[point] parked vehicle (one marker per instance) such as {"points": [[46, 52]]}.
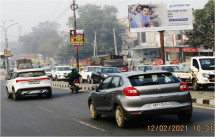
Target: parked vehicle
{"points": [[28, 82], [183, 73], [101, 73], [203, 71], [48, 71], [170, 68], [86, 73], [134, 94], [142, 67], [109, 61], [59, 72]]}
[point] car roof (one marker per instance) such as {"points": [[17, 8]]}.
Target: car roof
{"points": [[165, 65], [61, 66], [27, 70], [203, 57], [132, 73], [109, 67]]}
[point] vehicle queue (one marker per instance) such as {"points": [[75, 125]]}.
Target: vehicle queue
{"points": [[144, 90]]}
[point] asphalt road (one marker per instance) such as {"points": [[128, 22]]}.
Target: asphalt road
{"points": [[67, 114]]}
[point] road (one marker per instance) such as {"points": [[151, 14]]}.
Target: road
{"points": [[67, 114]]}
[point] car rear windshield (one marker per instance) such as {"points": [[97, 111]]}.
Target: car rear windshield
{"points": [[153, 79], [31, 74], [63, 68]]}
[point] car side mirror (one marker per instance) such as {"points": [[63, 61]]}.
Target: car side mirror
{"points": [[95, 88]]}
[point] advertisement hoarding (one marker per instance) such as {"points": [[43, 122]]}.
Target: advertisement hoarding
{"points": [[157, 17], [76, 37]]}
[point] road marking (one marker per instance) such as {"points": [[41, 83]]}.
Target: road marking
{"points": [[48, 110], [204, 107], [89, 125]]}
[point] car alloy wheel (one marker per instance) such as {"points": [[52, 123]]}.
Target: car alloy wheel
{"points": [[94, 115], [88, 79], [15, 97], [120, 118], [8, 94], [92, 81]]}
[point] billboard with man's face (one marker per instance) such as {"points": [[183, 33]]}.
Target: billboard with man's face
{"points": [[156, 17]]}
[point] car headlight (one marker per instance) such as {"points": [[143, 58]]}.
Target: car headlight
{"points": [[205, 75]]}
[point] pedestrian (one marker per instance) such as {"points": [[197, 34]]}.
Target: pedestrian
{"points": [[142, 19]]}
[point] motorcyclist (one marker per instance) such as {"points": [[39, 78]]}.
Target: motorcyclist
{"points": [[73, 75]]}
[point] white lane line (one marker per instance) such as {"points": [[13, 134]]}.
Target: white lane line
{"points": [[45, 109], [89, 125], [204, 107]]}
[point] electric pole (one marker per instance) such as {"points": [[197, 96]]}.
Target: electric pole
{"points": [[75, 7], [115, 45], [95, 45]]}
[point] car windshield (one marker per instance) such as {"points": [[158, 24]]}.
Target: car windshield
{"points": [[47, 70], [90, 69], [24, 66], [115, 64], [63, 69], [171, 68], [31, 74], [207, 63], [153, 79], [110, 70], [142, 68]]}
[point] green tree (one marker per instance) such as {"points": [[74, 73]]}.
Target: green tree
{"points": [[93, 18], [203, 27]]}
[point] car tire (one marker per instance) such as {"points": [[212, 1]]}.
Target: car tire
{"points": [[8, 94], [49, 94], [88, 79], [52, 78], [92, 81], [15, 96], [56, 78], [81, 80], [93, 114], [185, 116], [121, 120], [195, 85]]}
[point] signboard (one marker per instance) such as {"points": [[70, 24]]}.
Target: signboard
{"points": [[174, 61], [7, 52], [157, 17], [173, 50], [76, 38], [189, 50], [158, 62]]}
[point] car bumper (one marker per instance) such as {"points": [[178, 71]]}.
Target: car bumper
{"points": [[33, 91]]}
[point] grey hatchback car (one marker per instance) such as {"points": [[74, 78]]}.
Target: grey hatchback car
{"points": [[132, 94]]}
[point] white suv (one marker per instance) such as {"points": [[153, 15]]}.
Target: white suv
{"points": [[28, 82], [86, 73], [59, 72]]}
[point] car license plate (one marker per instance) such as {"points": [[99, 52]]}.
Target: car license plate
{"points": [[163, 104], [77, 84], [34, 82]]}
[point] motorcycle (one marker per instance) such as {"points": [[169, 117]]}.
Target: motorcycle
{"points": [[75, 86]]}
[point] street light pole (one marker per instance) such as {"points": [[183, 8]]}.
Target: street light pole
{"points": [[6, 42]]}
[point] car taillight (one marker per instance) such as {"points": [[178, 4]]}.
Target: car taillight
{"points": [[183, 87], [37, 79], [130, 91]]}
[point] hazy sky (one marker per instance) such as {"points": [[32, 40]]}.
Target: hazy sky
{"points": [[28, 13]]}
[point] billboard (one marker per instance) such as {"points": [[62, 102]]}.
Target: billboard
{"points": [[76, 37], [157, 17]]}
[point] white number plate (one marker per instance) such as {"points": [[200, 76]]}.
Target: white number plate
{"points": [[163, 104], [77, 84], [34, 82]]}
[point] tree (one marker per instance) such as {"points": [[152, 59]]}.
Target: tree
{"points": [[203, 27], [95, 18], [43, 39]]}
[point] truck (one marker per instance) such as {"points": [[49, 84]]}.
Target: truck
{"points": [[24, 63], [109, 61], [202, 72]]}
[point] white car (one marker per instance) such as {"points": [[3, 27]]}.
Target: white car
{"points": [[28, 82], [59, 72], [86, 73], [142, 67]]}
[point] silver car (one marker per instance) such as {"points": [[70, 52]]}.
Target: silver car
{"points": [[131, 94]]}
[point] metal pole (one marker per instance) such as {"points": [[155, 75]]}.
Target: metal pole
{"points": [[95, 45], [162, 46], [115, 45], [76, 46]]}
